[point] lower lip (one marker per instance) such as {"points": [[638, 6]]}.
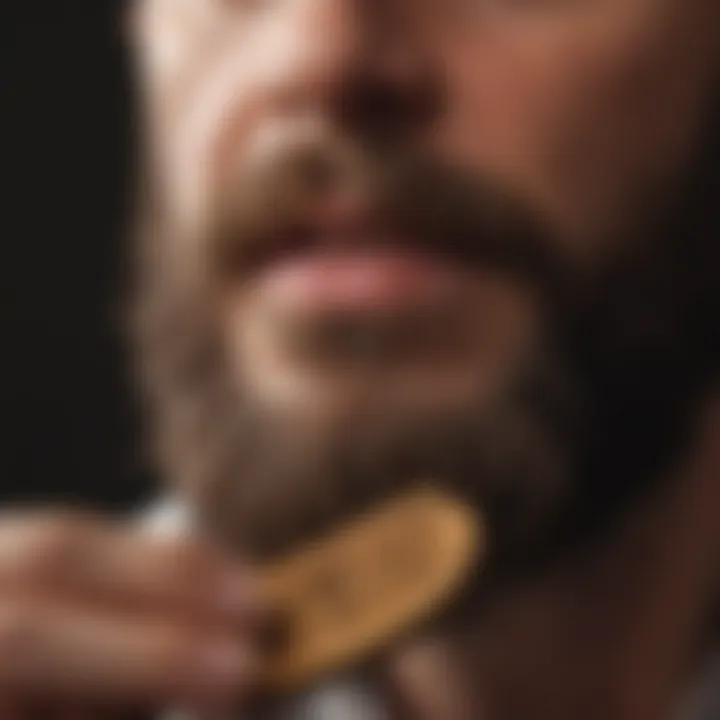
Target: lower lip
{"points": [[360, 280]]}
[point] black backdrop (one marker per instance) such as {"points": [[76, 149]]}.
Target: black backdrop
{"points": [[66, 141]]}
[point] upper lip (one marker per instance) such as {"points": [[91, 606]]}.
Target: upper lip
{"points": [[358, 233], [456, 239]]}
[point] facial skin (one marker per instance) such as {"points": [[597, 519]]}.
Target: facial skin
{"points": [[379, 234]]}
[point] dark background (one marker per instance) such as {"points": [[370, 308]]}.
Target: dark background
{"points": [[67, 139]]}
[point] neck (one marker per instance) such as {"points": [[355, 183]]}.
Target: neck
{"points": [[616, 634]]}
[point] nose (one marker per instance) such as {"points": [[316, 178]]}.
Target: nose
{"points": [[362, 63]]}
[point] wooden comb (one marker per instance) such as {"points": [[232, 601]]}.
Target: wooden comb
{"points": [[377, 577]]}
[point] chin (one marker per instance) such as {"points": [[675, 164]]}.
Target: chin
{"points": [[324, 430]]}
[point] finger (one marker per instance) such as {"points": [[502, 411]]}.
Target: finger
{"points": [[83, 556], [77, 656], [428, 683]]}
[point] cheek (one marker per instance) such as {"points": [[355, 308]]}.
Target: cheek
{"points": [[197, 87], [511, 107], [214, 85], [174, 39], [561, 111]]}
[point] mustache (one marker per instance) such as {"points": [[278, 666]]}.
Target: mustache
{"points": [[410, 197]]}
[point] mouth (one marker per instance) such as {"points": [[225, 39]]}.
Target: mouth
{"points": [[374, 302], [368, 276], [343, 252], [356, 261], [369, 301], [317, 231], [409, 272]]}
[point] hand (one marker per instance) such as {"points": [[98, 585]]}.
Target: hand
{"points": [[97, 615]]}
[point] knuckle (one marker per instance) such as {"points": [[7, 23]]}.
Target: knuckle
{"points": [[52, 547]]}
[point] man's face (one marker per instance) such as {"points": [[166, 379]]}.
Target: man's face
{"points": [[375, 222]]}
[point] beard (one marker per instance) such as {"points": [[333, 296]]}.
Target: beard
{"points": [[593, 413]]}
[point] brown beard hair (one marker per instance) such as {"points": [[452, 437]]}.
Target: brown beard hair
{"points": [[262, 484], [606, 404]]}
